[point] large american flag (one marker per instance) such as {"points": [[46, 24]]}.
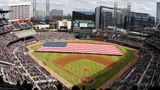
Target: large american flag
{"points": [[84, 48]]}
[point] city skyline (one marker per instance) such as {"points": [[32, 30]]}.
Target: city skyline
{"points": [[144, 6]]}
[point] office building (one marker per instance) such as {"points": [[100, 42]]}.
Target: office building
{"points": [[19, 10], [55, 13], [106, 16], [139, 20], [122, 18]]}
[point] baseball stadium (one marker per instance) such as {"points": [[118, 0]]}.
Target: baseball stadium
{"points": [[87, 52]]}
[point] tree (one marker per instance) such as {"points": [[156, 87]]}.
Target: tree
{"points": [[68, 17]]}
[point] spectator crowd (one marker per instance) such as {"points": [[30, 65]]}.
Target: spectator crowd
{"points": [[145, 73], [17, 67]]}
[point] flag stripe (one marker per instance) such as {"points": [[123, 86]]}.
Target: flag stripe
{"points": [[108, 49]]}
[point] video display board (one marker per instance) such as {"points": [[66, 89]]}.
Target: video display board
{"points": [[83, 19]]}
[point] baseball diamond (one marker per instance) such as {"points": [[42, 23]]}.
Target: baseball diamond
{"points": [[89, 69]]}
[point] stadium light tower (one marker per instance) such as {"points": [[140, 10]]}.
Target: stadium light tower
{"points": [[128, 15], [115, 14], [47, 7], [34, 8]]}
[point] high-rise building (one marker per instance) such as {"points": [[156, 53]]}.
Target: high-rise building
{"points": [[19, 10], [97, 17], [40, 13], [122, 18], [158, 13], [139, 20], [55, 13], [107, 18]]}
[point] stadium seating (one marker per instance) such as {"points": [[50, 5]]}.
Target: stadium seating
{"points": [[29, 24], [121, 38], [3, 22], [24, 26], [54, 35], [25, 33], [17, 26], [16, 65], [145, 73]]}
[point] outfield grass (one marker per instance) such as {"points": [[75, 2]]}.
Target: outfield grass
{"points": [[128, 56], [48, 59]]}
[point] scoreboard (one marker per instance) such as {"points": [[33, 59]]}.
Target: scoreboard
{"points": [[83, 19], [84, 23]]}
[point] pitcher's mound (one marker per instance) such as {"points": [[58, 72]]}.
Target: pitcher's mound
{"points": [[86, 68]]}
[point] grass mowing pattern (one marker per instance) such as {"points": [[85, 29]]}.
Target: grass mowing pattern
{"points": [[78, 67], [129, 55], [48, 59]]}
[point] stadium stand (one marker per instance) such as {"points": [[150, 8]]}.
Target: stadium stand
{"points": [[25, 33], [3, 22], [128, 39], [29, 24], [17, 26], [19, 70], [22, 26], [145, 73], [54, 35], [17, 66]]}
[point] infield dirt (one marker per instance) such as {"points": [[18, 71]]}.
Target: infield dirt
{"points": [[71, 58]]}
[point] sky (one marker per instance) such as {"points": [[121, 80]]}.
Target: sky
{"points": [[145, 6]]}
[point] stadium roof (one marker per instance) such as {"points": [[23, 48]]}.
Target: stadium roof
{"points": [[4, 11], [25, 33], [87, 12], [137, 33]]}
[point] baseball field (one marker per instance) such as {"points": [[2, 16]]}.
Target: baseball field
{"points": [[85, 69]]}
